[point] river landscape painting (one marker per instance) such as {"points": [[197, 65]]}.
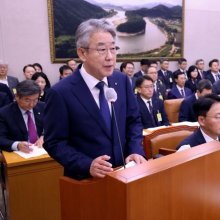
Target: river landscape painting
{"points": [[145, 28]]}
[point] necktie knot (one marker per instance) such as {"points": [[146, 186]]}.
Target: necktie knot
{"points": [[100, 85]]}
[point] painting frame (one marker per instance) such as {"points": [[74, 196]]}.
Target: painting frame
{"points": [[121, 57]]}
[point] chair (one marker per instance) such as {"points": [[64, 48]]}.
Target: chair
{"points": [[172, 107], [165, 140]]}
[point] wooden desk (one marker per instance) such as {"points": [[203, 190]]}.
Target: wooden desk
{"points": [[32, 187]]}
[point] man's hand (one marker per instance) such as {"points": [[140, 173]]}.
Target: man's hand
{"points": [[138, 159], [39, 141], [24, 147], [100, 167]]}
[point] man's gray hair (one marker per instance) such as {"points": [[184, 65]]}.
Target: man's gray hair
{"points": [[27, 87], [89, 27]]}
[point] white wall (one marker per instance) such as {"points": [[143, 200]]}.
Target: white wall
{"points": [[24, 34]]}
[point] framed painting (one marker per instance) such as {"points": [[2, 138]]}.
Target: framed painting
{"points": [[145, 28]]}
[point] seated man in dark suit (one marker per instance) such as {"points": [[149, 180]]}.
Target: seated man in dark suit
{"points": [[216, 87], [21, 122], [182, 62], [200, 66], [151, 108], [186, 112], [207, 111], [179, 90], [4, 99], [80, 131]]}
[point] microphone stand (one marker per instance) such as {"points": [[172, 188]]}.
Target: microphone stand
{"points": [[117, 131]]}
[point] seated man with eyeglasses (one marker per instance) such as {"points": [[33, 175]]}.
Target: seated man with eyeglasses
{"points": [[151, 108], [21, 122], [207, 111]]}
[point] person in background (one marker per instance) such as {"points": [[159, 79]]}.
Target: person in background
{"points": [[154, 63], [43, 82], [128, 69], [65, 71], [216, 87], [72, 64], [200, 66], [186, 113], [159, 87], [179, 90], [5, 89], [151, 109], [182, 62], [86, 142], [21, 122], [9, 81], [38, 67], [28, 71], [165, 75], [145, 63], [192, 81], [207, 111], [213, 73]]}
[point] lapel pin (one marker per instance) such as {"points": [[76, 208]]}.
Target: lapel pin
{"points": [[116, 83]]}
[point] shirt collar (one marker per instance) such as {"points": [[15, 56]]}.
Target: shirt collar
{"points": [[207, 137], [90, 80]]}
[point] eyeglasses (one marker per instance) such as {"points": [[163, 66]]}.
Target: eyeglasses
{"points": [[148, 87], [104, 51], [217, 117]]}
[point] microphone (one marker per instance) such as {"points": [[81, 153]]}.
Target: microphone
{"points": [[111, 97]]}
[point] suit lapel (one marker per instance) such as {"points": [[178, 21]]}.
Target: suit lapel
{"points": [[85, 98], [19, 119]]}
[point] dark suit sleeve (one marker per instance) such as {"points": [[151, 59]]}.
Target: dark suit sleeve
{"points": [[5, 143], [56, 134], [184, 112]]}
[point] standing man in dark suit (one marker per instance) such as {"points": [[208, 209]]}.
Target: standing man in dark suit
{"points": [[128, 68], [145, 63], [179, 90], [10, 81], [80, 131], [159, 87], [21, 122], [213, 73], [200, 66], [186, 113], [165, 75], [182, 62], [207, 111], [151, 109]]}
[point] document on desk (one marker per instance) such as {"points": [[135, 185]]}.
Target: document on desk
{"points": [[37, 151]]}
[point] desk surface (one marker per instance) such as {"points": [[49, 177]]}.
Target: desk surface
{"points": [[12, 159]]}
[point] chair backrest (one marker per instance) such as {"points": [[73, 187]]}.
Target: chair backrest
{"points": [[167, 137], [168, 140], [172, 107]]}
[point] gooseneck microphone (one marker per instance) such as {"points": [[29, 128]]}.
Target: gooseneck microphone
{"points": [[111, 97]]}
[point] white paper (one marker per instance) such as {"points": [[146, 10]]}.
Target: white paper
{"points": [[184, 147], [129, 164], [186, 123], [37, 151]]}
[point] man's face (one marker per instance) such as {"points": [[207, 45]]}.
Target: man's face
{"points": [[152, 72], [3, 70], [180, 81], [100, 57], [200, 65], [183, 65], [66, 73], [215, 67], [144, 68], [211, 122], [72, 64], [27, 102], [146, 89], [164, 65], [129, 70]]}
